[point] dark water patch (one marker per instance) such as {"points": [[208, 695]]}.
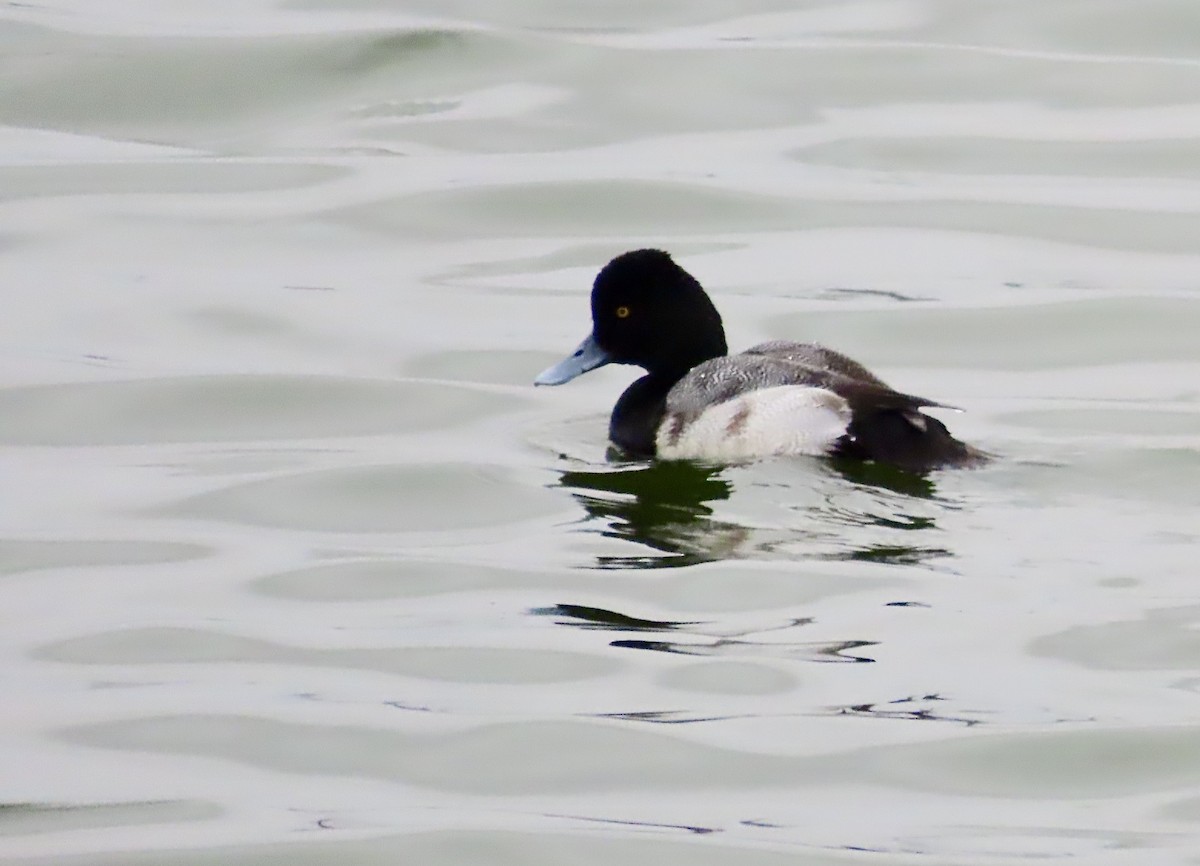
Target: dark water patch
{"points": [[921, 708], [163, 87], [1164, 476], [1073, 762], [153, 646], [839, 293], [233, 408], [667, 717], [574, 756], [20, 819], [1185, 809], [492, 366], [728, 588], [915, 708], [1166, 639], [458, 846], [1154, 231], [175, 177], [1089, 332], [833, 651], [1121, 418], [232, 322], [378, 579], [410, 108], [1150, 31], [429, 497], [709, 639], [1122, 476], [614, 16], [907, 522], [374, 51], [642, 563], [584, 617], [729, 679], [240, 460], [466, 276], [615, 207], [504, 758], [891, 554], [652, 825], [960, 155], [20, 554]]}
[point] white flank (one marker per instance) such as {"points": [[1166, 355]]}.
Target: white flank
{"points": [[787, 419]]}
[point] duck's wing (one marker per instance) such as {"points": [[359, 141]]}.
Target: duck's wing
{"points": [[723, 379], [815, 357], [843, 375]]}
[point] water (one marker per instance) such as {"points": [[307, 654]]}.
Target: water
{"points": [[296, 566]]}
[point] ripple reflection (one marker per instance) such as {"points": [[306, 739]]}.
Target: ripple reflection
{"points": [[881, 516]]}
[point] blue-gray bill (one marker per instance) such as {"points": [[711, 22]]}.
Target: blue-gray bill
{"points": [[588, 356]]}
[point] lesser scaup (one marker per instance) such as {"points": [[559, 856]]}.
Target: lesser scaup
{"points": [[777, 398]]}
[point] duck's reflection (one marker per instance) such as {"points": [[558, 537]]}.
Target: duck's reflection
{"points": [[666, 506], [885, 477], [709, 639], [662, 505]]}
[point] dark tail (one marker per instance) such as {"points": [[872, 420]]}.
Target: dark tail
{"points": [[906, 438]]}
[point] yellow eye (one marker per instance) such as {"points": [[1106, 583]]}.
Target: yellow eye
{"points": [[622, 312]]}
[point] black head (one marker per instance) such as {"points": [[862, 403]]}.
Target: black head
{"points": [[648, 311]]}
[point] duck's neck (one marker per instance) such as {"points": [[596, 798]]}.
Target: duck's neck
{"points": [[633, 426], [635, 419]]}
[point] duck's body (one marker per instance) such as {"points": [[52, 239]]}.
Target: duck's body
{"points": [[777, 398]]}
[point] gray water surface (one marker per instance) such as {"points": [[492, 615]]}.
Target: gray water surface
{"points": [[297, 567]]}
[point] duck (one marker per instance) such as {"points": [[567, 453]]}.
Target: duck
{"points": [[779, 398]]}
